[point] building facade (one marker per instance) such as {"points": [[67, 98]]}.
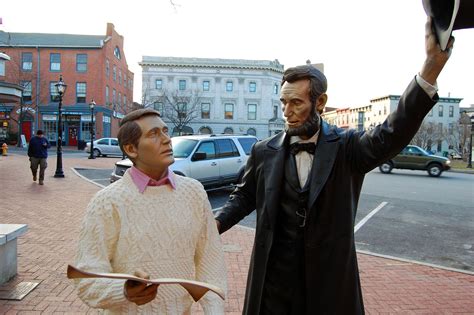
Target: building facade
{"points": [[441, 121], [222, 95], [94, 67]]}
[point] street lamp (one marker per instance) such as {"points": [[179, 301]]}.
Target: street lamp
{"points": [[469, 163], [61, 89], [91, 106], [468, 125]]}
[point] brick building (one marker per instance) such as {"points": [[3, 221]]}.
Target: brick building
{"points": [[94, 67]]}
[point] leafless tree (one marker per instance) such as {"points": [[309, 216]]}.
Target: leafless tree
{"points": [[427, 134], [178, 107]]}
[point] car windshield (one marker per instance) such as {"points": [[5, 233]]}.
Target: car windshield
{"points": [[247, 144], [182, 148]]}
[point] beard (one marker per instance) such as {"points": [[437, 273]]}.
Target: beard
{"points": [[308, 128]]}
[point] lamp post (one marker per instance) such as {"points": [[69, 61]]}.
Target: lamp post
{"points": [[469, 163], [61, 89], [91, 106]]}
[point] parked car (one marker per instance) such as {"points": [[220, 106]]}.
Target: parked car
{"points": [[104, 147], [415, 158], [214, 160]]}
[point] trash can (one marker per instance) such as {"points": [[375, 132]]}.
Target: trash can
{"points": [[81, 145]]}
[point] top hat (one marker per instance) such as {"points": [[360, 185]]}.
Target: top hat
{"points": [[449, 15]]}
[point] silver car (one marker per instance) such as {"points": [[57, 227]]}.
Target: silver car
{"points": [[214, 160], [104, 147]]}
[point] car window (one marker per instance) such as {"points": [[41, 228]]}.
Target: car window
{"points": [[227, 148], [103, 141], [247, 144], [413, 151], [114, 142], [209, 148], [182, 148]]}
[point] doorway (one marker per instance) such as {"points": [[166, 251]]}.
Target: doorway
{"points": [[72, 136]]}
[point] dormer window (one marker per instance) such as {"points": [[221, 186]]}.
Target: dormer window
{"points": [[117, 52]]}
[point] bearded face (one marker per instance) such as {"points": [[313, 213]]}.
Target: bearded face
{"points": [[308, 128]]}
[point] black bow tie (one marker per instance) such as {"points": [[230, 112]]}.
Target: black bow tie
{"points": [[297, 147]]}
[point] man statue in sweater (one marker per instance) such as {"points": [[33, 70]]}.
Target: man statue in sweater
{"points": [[151, 223], [305, 185], [38, 153]]}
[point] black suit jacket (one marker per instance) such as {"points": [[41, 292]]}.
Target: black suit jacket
{"points": [[341, 160]]}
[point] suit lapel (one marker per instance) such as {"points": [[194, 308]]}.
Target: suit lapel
{"points": [[273, 167], [324, 157]]}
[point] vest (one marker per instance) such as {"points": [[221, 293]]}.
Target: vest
{"points": [[284, 289]]}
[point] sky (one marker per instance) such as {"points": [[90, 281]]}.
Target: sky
{"points": [[370, 48]]}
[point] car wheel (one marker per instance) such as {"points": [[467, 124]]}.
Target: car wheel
{"points": [[434, 170], [386, 167], [96, 153]]}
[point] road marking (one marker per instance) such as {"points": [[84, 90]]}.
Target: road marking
{"points": [[85, 178], [367, 217]]}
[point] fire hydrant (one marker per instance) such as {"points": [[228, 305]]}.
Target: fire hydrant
{"points": [[4, 149]]}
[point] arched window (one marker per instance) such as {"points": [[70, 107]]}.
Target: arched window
{"points": [[117, 52], [252, 132], [205, 131], [229, 131]]}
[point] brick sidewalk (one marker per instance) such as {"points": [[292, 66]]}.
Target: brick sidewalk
{"points": [[53, 213]]}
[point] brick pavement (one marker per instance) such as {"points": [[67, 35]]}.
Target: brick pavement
{"points": [[53, 213]]}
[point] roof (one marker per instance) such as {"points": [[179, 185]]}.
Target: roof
{"points": [[212, 63], [8, 39]]}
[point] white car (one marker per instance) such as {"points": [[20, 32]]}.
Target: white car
{"points": [[104, 147], [214, 160]]}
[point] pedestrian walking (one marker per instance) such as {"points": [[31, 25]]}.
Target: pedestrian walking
{"points": [[38, 154]]}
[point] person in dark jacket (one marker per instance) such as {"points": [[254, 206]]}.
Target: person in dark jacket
{"points": [[38, 153], [305, 185]]}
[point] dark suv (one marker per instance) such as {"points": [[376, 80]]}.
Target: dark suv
{"points": [[415, 158], [214, 160]]}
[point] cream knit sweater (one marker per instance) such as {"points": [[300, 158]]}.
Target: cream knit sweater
{"points": [[166, 233]]}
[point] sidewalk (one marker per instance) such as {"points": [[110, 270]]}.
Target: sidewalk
{"points": [[53, 213]]}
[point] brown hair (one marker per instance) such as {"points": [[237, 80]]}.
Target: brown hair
{"points": [[317, 80], [130, 132]]}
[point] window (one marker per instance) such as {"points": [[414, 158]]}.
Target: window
{"points": [[120, 99], [53, 92], [26, 61], [158, 84], [229, 111], [114, 97], [26, 95], [182, 110], [229, 131], [229, 86], [81, 62], [247, 143], [227, 148], [125, 101], [205, 131], [124, 80], [440, 110], [81, 89], [107, 68], [86, 130], [117, 52], [50, 130], [158, 106], [251, 132], [120, 77], [55, 62], [2, 67], [275, 89], [450, 128], [205, 85], [208, 148], [275, 111], [205, 110], [182, 85], [385, 110], [451, 111], [252, 112], [107, 96], [252, 87], [440, 145], [114, 73]]}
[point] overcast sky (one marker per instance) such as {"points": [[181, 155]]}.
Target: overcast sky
{"points": [[370, 48]]}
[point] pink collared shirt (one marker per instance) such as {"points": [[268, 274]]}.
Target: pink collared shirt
{"points": [[142, 180]]}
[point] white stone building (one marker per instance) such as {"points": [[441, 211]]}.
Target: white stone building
{"points": [[235, 96]]}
